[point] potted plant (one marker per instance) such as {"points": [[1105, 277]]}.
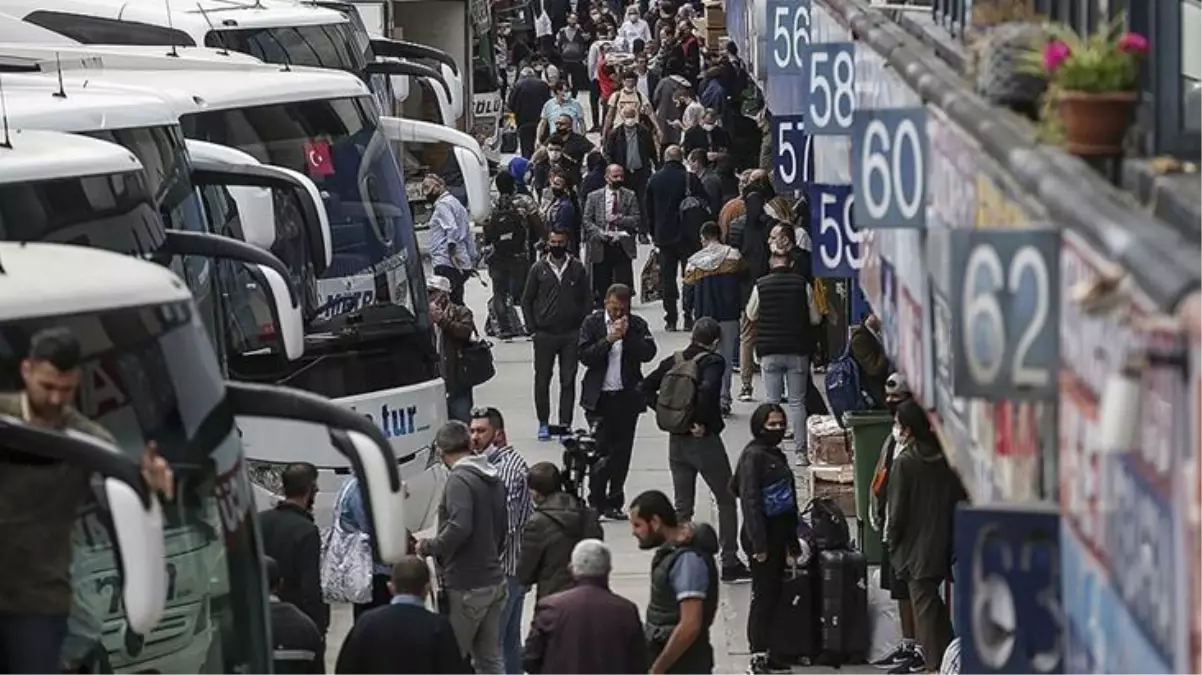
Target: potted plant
{"points": [[1095, 85]]}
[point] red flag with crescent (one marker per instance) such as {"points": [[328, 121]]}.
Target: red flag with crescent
{"points": [[318, 154]]}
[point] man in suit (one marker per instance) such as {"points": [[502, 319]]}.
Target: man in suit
{"points": [[404, 636], [614, 345], [611, 221]]}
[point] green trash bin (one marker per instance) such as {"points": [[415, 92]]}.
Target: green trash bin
{"points": [[869, 429]]}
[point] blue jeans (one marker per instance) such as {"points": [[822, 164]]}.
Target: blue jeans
{"points": [[31, 643], [459, 406], [778, 369], [511, 625]]}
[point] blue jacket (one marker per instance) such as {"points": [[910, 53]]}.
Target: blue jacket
{"points": [[712, 280]]}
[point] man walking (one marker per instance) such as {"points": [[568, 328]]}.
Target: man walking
{"points": [[559, 522], [696, 447], [472, 524], [711, 183], [613, 346], [452, 247], [784, 340], [526, 100], [713, 287], [632, 146], [489, 439], [403, 636], [511, 231], [556, 301], [684, 586], [611, 221], [291, 537], [588, 628], [666, 191]]}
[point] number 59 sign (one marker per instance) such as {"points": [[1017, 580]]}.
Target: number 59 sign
{"points": [[836, 242], [1005, 309]]}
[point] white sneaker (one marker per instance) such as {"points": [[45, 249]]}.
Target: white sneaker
{"points": [[802, 458]]}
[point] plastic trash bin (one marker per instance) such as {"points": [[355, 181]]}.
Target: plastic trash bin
{"points": [[869, 429]]}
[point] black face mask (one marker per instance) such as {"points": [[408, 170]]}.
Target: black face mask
{"points": [[557, 251], [892, 406], [616, 184], [558, 191], [771, 437]]}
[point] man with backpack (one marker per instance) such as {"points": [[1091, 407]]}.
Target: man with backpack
{"points": [[509, 232], [686, 391]]}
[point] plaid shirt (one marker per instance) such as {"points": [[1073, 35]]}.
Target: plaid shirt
{"points": [[513, 470]]}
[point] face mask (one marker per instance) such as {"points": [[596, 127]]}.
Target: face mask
{"points": [[538, 69], [779, 248], [897, 434], [557, 252], [892, 406], [628, 86], [708, 127], [615, 184], [631, 18], [630, 121], [433, 195], [558, 190], [772, 436], [554, 154]]}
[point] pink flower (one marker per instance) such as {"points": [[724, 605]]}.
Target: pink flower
{"points": [[1133, 43], [1055, 54]]}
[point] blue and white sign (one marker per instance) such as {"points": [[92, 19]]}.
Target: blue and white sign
{"points": [[829, 81], [836, 251], [1005, 306], [788, 35], [793, 148], [889, 151], [1007, 601]]}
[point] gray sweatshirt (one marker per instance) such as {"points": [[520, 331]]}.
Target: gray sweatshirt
{"points": [[471, 526]]}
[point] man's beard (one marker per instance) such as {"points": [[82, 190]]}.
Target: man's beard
{"points": [[46, 411], [653, 540]]}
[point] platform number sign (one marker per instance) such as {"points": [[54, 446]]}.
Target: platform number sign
{"points": [[1008, 606], [889, 163], [1005, 308], [836, 242], [788, 35], [793, 148], [829, 81]]}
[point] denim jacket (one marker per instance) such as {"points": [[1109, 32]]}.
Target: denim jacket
{"points": [[352, 515]]}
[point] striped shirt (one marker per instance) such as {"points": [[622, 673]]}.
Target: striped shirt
{"points": [[513, 471]]}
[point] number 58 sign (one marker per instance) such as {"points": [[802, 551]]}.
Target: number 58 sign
{"points": [[1005, 309]]}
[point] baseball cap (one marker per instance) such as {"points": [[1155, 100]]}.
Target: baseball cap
{"points": [[896, 384], [438, 283]]}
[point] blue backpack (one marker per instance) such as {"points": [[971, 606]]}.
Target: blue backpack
{"points": [[843, 391]]}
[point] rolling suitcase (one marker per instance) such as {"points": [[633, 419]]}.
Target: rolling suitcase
{"points": [[796, 628], [846, 635], [493, 329]]}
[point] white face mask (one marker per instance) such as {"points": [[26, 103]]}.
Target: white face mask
{"points": [[631, 18], [630, 121], [708, 127], [897, 433], [554, 154]]}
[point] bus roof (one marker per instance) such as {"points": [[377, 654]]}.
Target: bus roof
{"points": [[47, 155], [208, 85], [195, 19], [33, 103], [72, 279]]}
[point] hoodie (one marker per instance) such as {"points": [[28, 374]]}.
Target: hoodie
{"points": [[559, 522], [472, 520], [712, 282]]}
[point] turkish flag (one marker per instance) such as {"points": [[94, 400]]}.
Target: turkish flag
{"points": [[318, 155]]}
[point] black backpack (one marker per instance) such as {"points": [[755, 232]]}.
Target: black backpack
{"points": [[828, 524], [507, 230], [694, 212]]}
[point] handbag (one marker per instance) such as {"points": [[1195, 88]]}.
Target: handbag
{"points": [[779, 498], [346, 559], [476, 365]]}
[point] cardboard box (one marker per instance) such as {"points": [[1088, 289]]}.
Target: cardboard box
{"points": [[837, 483]]}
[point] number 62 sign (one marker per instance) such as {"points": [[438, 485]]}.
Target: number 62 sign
{"points": [[1005, 313]]}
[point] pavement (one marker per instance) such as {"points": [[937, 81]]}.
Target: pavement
{"points": [[511, 391]]}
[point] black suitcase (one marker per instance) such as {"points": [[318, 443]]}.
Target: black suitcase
{"points": [[493, 329], [796, 627], [846, 635]]}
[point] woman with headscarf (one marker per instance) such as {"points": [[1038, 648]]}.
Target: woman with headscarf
{"points": [[764, 485]]}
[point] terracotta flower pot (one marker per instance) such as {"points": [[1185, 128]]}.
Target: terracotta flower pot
{"points": [[1095, 124]]}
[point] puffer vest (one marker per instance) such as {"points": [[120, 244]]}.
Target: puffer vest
{"points": [[663, 609], [783, 326]]}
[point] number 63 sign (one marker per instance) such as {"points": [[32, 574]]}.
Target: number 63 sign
{"points": [[1005, 313]]}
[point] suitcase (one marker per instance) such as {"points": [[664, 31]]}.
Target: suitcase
{"points": [[796, 627], [493, 329], [846, 635]]}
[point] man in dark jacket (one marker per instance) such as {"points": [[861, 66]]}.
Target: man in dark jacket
{"points": [[404, 636], [784, 312], [555, 302], [291, 537], [472, 522], [711, 183], [666, 191], [454, 326], [708, 136], [684, 586], [526, 100], [588, 628], [613, 346], [559, 522], [712, 287], [297, 644], [701, 451], [869, 354], [632, 146]]}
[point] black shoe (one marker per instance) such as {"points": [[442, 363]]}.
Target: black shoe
{"points": [[726, 410], [762, 663], [614, 513], [688, 323], [916, 663], [670, 326], [735, 573], [900, 654]]}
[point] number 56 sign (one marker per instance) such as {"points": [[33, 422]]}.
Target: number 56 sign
{"points": [[1005, 311]]}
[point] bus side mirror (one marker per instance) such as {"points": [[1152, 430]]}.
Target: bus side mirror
{"points": [[355, 436], [260, 314], [137, 517]]}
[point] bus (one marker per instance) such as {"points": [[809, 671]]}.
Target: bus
{"points": [[150, 373]]}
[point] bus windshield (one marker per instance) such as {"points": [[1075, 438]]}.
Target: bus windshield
{"points": [[338, 144], [150, 375], [331, 45]]}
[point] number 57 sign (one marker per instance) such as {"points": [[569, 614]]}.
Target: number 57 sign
{"points": [[1005, 311]]}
